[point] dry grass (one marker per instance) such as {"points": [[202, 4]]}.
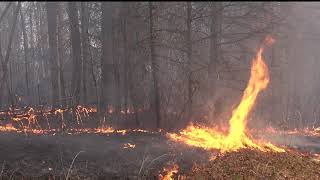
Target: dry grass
{"points": [[251, 164]]}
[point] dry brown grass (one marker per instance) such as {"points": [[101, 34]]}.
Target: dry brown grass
{"points": [[251, 164]]}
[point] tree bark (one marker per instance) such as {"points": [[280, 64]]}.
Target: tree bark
{"points": [[4, 62], [85, 47], [214, 56], [107, 56], [26, 51], [126, 54], [156, 96], [76, 51], [62, 89], [51, 8], [31, 31], [5, 11], [116, 71], [189, 56]]}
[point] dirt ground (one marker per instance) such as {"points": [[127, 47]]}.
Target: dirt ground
{"points": [[100, 156], [105, 157]]}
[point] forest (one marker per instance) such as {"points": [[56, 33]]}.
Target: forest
{"points": [[129, 86]]}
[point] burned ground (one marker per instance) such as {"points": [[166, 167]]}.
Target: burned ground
{"points": [[36, 157], [105, 156]]}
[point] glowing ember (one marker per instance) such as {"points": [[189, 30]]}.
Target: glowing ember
{"points": [[304, 132], [129, 145], [210, 138], [316, 157], [170, 171], [8, 128]]}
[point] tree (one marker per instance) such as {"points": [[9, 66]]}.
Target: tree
{"points": [[214, 53], [156, 96], [189, 56], [26, 49], [85, 47], [4, 62], [76, 51], [107, 55], [53, 50], [62, 89]]}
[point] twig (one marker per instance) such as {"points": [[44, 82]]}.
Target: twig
{"points": [[155, 159], [67, 177], [143, 161], [2, 169], [11, 176], [60, 154]]}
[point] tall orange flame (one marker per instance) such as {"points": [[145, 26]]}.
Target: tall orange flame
{"points": [[209, 138]]}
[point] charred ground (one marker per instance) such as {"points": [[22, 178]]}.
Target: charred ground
{"points": [[104, 156]]}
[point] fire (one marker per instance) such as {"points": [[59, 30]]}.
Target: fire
{"points": [[304, 132], [170, 171], [128, 145], [237, 138]]}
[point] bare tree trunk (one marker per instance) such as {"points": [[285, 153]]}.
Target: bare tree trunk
{"points": [[126, 54], [4, 62], [53, 51], [26, 50], [76, 51], [107, 56], [85, 47], [5, 11], [94, 77], [214, 56], [62, 89], [116, 71], [189, 56], [39, 33], [10, 87], [156, 103], [31, 31]]}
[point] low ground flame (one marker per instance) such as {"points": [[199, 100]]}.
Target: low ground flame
{"points": [[170, 171]]}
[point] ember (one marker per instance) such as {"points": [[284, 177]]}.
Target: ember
{"points": [[129, 145], [169, 172]]}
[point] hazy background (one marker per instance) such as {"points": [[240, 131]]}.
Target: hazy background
{"points": [[171, 62]]}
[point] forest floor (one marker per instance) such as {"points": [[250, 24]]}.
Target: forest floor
{"points": [[94, 156]]}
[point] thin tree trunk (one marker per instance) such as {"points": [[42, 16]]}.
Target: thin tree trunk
{"points": [[94, 77], [31, 31], [107, 55], [76, 51], [156, 103], [130, 79], [189, 56], [126, 54], [5, 11], [25, 48], [40, 40], [214, 56], [5, 61], [116, 70], [85, 47], [53, 51], [10, 88], [62, 89]]}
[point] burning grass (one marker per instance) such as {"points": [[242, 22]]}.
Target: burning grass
{"points": [[241, 155], [253, 164], [237, 138]]}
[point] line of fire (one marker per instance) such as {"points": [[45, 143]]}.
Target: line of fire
{"points": [[159, 90]]}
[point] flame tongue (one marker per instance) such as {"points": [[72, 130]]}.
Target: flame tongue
{"points": [[209, 138]]}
